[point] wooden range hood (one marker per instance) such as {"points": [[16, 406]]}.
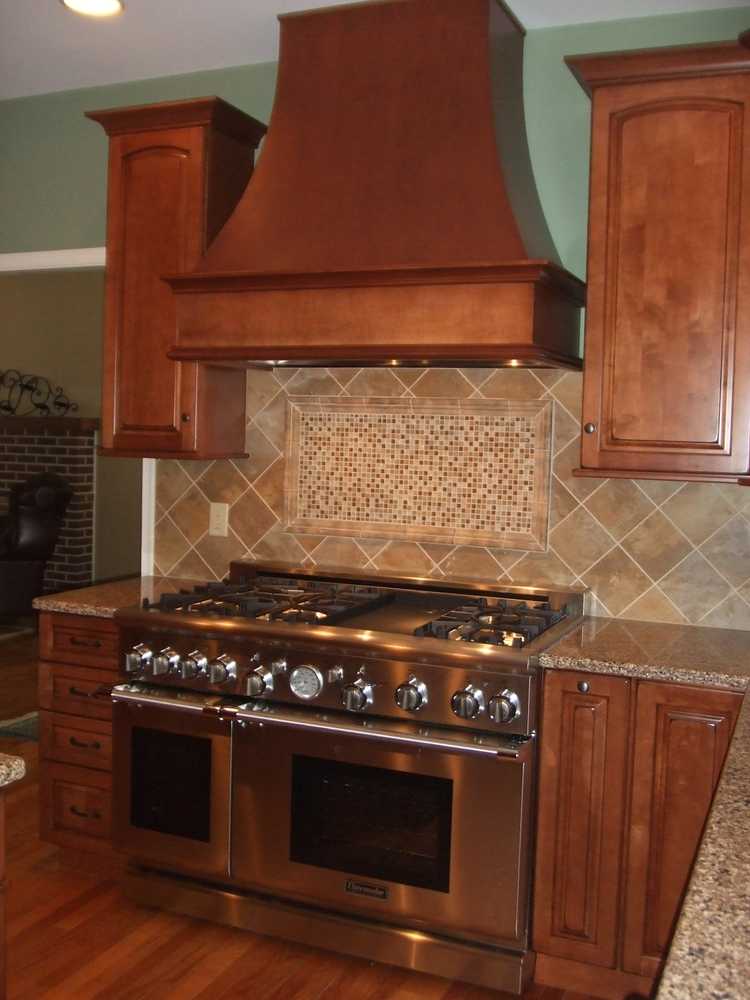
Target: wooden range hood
{"points": [[393, 216]]}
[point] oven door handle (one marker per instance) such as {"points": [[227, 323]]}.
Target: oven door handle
{"points": [[424, 741], [194, 704]]}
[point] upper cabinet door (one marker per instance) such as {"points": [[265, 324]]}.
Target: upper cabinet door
{"points": [[176, 170], [156, 202], [667, 350]]}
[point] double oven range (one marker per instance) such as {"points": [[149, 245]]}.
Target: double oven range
{"points": [[340, 761]]}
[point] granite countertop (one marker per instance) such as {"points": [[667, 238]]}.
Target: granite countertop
{"points": [[709, 957], [714, 657], [11, 769], [102, 600]]}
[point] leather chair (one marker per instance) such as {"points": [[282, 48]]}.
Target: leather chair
{"points": [[28, 535]]}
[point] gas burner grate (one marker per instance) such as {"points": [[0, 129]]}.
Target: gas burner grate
{"points": [[496, 621], [297, 602]]}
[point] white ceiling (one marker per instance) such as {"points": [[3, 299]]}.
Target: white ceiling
{"points": [[44, 48]]}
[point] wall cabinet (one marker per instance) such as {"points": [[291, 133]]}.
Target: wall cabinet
{"points": [[627, 774], [176, 170], [667, 351]]}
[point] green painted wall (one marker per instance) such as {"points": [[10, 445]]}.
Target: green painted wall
{"points": [[52, 159]]}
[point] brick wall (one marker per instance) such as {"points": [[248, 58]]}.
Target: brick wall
{"points": [[65, 446]]}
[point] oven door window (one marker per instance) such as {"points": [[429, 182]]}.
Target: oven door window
{"points": [[171, 783], [388, 825]]}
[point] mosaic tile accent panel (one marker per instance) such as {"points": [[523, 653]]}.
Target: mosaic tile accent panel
{"points": [[648, 549], [450, 471]]}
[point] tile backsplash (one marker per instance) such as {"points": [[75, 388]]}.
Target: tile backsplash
{"points": [[650, 550], [449, 471]]}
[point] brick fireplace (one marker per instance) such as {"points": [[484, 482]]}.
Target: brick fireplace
{"points": [[65, 446]]}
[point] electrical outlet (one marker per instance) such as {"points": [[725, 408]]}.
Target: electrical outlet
{"points": [[218, 519]]}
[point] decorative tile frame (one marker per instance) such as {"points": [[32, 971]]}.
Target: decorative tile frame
{"points": [[448, 471]]}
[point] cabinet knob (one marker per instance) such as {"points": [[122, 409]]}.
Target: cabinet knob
{"points": [[589, 428], [185, 417], [584, 687]]}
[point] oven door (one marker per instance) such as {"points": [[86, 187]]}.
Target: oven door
{"points": [[171, 773], [427, 829]]}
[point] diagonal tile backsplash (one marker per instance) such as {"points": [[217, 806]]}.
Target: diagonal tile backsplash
{"points": [[650, 550]]}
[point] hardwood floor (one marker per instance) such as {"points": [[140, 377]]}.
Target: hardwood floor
{"points": [[73, 936]]}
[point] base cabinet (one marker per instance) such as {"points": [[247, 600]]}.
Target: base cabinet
{"points": [[77, 671], [627, 775], [681, 739], [581, 814]]}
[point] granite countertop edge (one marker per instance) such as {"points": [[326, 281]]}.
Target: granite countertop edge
{"points": [[645, 671], [11, 769]]}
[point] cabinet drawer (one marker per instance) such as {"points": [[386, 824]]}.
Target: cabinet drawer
{"points": [[77, 639], [72, 740], [76, 690], [76, 806]]}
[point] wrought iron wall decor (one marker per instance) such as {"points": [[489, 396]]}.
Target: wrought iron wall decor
{"points": [[32, 395]]}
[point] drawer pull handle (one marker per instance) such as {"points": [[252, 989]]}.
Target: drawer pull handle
{"points": [[88, 643], [98, 692], [82, 814], [94, 745]]}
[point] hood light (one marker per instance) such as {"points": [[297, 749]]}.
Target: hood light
{"points": [[94, 8]]}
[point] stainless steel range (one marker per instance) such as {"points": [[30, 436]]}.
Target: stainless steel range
{"points": [[340, 761]]}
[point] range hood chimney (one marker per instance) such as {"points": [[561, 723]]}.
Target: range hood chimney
{"points": [[393, 216]]}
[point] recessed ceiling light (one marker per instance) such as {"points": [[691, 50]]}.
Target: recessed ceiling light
{"points": [[94, 8]]}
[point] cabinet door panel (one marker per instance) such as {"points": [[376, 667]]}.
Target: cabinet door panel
{"points": [[581, 814], [156, 201], [681, 739], [665, 380]]}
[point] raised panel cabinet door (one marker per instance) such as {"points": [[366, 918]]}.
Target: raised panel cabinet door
{"points": [[582, 795], [667, 368], [681, 738], [155, 227]]}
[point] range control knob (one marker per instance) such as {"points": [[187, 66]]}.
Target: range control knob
{"points": [[258, 682], [467, 704], [278, 666], [192, 665], [138, 658], [222, 669], [357, 696], [503, 707], [166, 662], [411, 696]]}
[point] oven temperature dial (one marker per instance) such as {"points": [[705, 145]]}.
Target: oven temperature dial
{"points": [[306, 681], [222, 669], [411, 696], [503, 707], [166, 662], [357, 696], [192, 665], [467, 704], [137, 659], [258, 682]]}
